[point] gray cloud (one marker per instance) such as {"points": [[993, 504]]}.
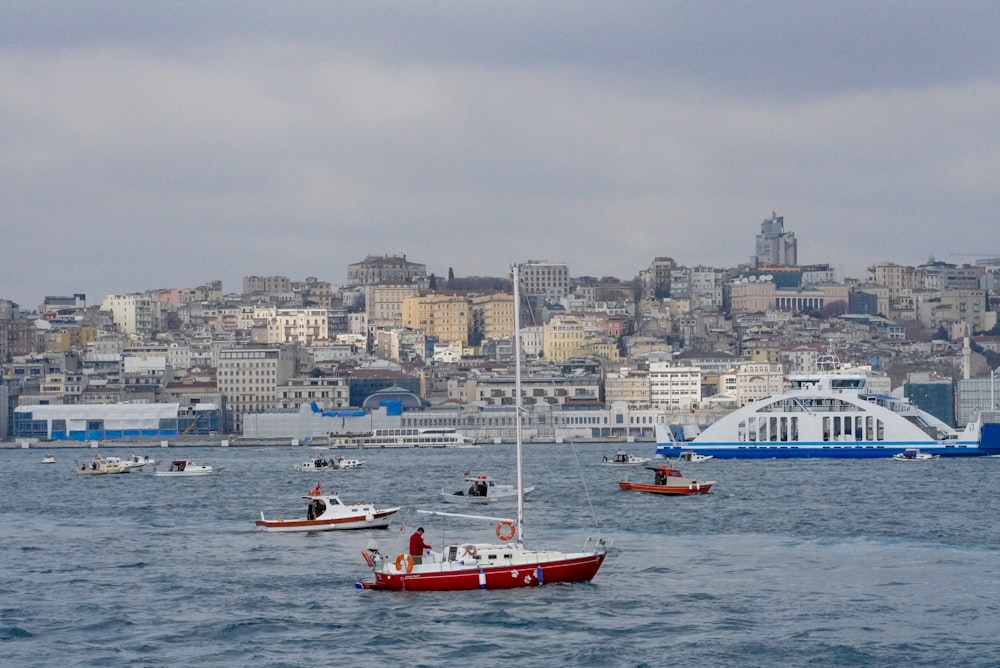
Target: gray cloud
{"points": [[168, 144]]}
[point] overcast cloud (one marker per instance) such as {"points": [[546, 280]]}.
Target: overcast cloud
{"points": [[166, 144]]}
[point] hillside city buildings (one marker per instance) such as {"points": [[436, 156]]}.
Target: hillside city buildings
{"points": [[394, 345]]}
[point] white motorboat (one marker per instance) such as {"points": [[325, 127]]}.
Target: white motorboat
{"points": [[623, 458], [692, 457], [326, 512], [329, 464], [482, 489], [138, 461], [914, 455], [186, 467], [48, 459]]}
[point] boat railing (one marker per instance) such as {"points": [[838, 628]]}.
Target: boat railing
{"points": [[599, 544]]}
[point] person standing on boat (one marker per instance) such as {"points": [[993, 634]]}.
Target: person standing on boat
{"points": [[417, 545]]}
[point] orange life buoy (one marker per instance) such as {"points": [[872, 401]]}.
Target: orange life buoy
{"points": [[404, 562], [506, 530], [368, 558]]}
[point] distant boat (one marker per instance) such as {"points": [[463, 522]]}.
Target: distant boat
{"points": [[103, 466], [692, 457], [623, 458], [914, 455], [186, 467], [482, 489], [668, 480], [326, 512], [48, 459]]}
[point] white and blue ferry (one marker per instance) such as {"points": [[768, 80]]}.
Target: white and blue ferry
{"points": [[827, 414]]}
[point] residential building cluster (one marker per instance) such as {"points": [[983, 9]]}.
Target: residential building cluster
{"points": [[604, 357]]}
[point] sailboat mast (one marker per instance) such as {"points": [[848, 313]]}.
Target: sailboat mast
{"points": [[517, 402]]}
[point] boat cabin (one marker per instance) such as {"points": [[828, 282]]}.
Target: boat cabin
{"points": [[661, 473], [178, 465], [479, 485]]}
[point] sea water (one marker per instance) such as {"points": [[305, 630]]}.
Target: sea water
{"points": [[785, 563]]}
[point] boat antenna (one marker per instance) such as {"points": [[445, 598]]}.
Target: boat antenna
{"points": [[517, 404]]}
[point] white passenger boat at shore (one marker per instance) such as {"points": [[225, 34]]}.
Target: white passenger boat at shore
{"points": [[406, 437]]}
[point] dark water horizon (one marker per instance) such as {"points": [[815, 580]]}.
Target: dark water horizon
{"points": [[785, 562]]}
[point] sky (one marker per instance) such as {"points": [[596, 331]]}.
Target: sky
{"points": [[163, 144]]}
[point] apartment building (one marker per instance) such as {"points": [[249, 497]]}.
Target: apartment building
{"points": [[250, 377]]}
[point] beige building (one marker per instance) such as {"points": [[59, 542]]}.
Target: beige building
{"points": [[893, 276], [562, 339], [326, 391], [250, 378], [307, 326], [493, 315], [629, 386], [757, 381], [384, 303], [444, 317], [748, 296], [136, 315]]}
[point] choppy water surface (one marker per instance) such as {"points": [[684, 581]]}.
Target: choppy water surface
{"points": [[786, 562]]}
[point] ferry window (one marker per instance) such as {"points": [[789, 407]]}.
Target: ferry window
{"points": [[836, 428], [826, 427], [794, 435], [772, 429]]}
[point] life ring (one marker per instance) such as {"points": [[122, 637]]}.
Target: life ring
{"points": [[506, 530], [404, 562], [368, 558]]}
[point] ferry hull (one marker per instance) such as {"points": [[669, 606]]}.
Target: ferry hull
{"points": [[818, 450], [569, 569]]}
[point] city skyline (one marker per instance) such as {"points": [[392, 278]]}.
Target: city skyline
{"points": [[169, 144]]}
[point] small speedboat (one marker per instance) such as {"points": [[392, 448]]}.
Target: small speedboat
{"points": [[482, 489], [186, 467], [623, 458], [692, 457], [48, 459], [668, 480], [331, 464], [138, 461], [326, 512], [914, 455]]}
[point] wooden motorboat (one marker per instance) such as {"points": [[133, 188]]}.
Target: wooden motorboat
{"points": [[668, 480], [326, 512], [103, 466]]}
